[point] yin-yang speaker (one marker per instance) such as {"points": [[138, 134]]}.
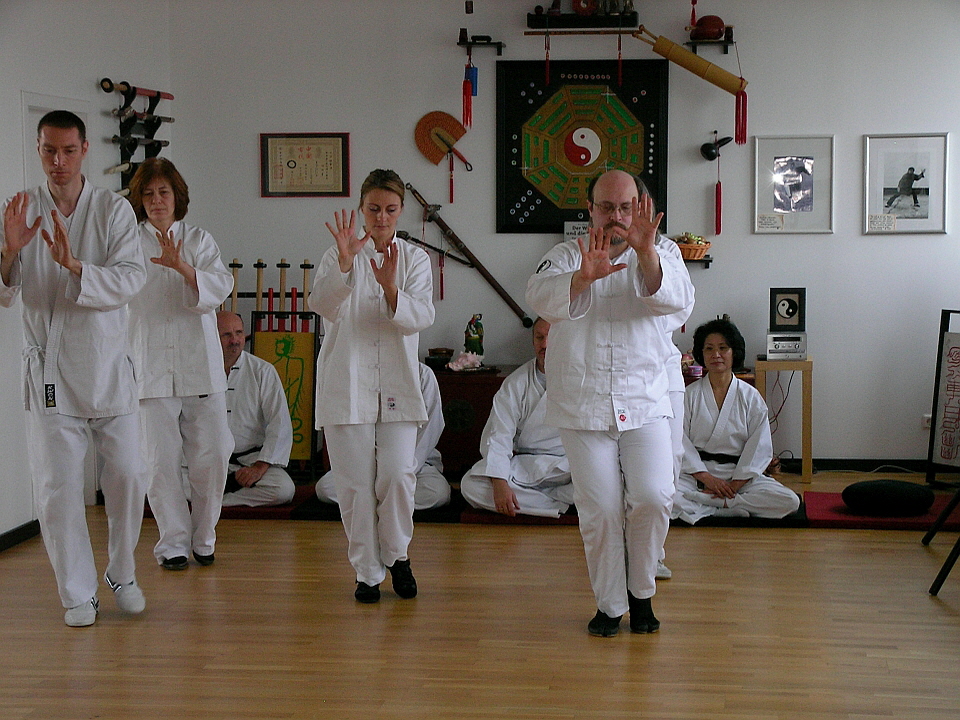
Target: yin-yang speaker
{"points": [[788, 312]]}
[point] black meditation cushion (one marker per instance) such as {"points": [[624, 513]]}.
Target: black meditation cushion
{"points": [[888, 498]]}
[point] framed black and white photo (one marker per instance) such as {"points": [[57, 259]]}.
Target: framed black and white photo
{"points": [[793, 184], [905, 184]]}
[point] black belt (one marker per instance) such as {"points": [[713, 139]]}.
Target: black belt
{"points": [[719, 457], [235, 458]]}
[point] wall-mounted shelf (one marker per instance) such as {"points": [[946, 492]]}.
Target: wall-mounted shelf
{"points": [[724, 43], [705, 261], [572, 21], [470, 44]]}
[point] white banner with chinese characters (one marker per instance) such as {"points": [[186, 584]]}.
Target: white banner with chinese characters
{"points": [[946, 421]]}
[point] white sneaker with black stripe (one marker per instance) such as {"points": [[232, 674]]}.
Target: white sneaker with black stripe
{"points": [[129, 597], [84, 614]]}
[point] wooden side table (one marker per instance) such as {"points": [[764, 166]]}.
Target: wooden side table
{"points": [[806, 430], [466, 398]]}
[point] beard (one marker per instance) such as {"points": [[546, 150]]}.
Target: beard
{"points": [[617, 238]]}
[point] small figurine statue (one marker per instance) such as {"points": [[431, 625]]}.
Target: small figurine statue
{"points": [[473, 335]]}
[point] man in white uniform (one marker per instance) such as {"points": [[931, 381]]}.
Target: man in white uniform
{"points": [[606, 369], [78, 374], [432, 490], [523, 468], [259, 420]]}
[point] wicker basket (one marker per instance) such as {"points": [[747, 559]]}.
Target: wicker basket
{"points": [[693, 252]]}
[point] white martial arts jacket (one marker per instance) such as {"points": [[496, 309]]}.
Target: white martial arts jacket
{"points": [[257, 410], [607, 360], [741, 427], [367, 369], [173, 329], [428, 435], [671, 323], [77, 354], [516, 443]]}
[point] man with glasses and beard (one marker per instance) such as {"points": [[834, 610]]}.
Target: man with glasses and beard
{"points": [[605, 296]]}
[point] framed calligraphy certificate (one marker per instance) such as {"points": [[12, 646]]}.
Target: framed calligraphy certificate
{"points": [[305, 165]]}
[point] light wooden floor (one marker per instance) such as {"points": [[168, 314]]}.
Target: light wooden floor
{"points": [[757, 624]]}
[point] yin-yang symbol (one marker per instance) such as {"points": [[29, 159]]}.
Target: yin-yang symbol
{"points": [[787, 308], [582, 146]]}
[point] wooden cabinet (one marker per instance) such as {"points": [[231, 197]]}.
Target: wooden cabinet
{"points": [[466, 398]]}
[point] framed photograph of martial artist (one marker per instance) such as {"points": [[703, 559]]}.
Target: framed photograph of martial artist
{"points": [[305, 165], [905, 184], [559, 125], [793, 184]]}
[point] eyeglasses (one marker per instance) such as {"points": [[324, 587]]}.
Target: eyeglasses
{"points": [[608, 208]]}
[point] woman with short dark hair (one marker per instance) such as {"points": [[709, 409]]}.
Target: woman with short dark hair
{"points": [[726, 438], [176, 345]]}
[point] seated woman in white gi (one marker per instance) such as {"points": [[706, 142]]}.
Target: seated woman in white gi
{"points": [[523, 468], [433, 490], [726, 439]]}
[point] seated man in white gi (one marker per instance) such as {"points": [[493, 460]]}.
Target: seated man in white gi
{"points": [[259, 420], [726, 439], [523, 468], [432, 490]]}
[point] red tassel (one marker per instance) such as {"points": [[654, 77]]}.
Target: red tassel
{"points": [[718, 208], [270, 309], [693, 12], [467, 103], [740, 129]]}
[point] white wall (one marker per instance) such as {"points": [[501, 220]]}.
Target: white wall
{"points": [[372, 68], [819, 67], [62, 49]]}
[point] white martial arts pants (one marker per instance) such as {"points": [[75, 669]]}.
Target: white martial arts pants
{"points": [[58, 445], [374, 471], [274, 488], [676, 440], [762, 497], [623, 489], [191, 430], [432, 491], [547, 500], [676, 430]]}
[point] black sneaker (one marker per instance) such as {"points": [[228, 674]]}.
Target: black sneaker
{"points": [[404, 584], [603, 625], [642, 619], [205, 560], [367, 593], [178, 562]]}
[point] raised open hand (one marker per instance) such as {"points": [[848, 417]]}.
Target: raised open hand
{"points": [[386, 273], [595, 256], [170, 251], [345, 233], [642, 234], [59, 245], [16, 233]]}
